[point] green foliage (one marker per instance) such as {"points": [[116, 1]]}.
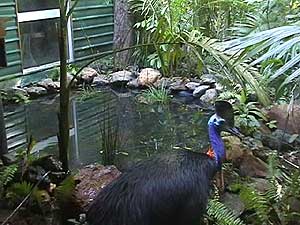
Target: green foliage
{"points": [[14, 97], [110, 140], [64, 192], [222, 215], [87, 93], [7, 175], [280, 43], [275, 206], [54, 74], [17, 192], [248, 113], [155, 95]]}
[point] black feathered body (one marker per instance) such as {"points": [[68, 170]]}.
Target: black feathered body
{"points": [[168, 189]]}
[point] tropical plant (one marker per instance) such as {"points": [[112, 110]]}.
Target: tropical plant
{"points": [[110, 140], [265, 15], [276, 51], [275, 206], [155, 95], [221, 214], [7, 174], [18, 191]]}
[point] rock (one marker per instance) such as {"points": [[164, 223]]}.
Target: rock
{"points": [[280, 114], [87, 75], [19, 91], [121, 77], [35, 92], [234, 202], [209, 96], [208, 79], [90, 180], [260, 184], [133, 84], [57, 84], [148, 77], [192, 85], [178, 84], [70, 78], [219, 87], [199, 91], [49, 84], [280, 140], [243, 158], [100, 80], [163, 82]]}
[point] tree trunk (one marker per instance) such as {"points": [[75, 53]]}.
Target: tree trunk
{"points": [[3, 141], [64, 134], [123, 31]]}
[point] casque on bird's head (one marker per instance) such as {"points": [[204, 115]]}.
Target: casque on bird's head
{"points": [[222, 120]]}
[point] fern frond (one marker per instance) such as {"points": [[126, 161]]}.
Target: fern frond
{"points": [[256, 201], [221, 214], [7, 175], [65, 191]]}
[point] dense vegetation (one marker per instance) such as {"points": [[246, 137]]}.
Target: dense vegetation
{"points": [[252, 47]]}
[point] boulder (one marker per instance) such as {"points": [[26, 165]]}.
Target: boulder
{"points": [[208, 79], [242, 158], [233, 202], [163, 82], [192, 85], [121, 77], [100, 80], [209, 96], [280, 140], [87, 75], [260, 184], [148, 76], [199, 91], [133, 84], [70, 78], [90, 181], [49, 84], [286, 121], [35, 92], [18, 91]]}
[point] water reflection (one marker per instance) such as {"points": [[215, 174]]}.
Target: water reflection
{"points": [[144, 130]]}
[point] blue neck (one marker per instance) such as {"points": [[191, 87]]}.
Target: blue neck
{"points": [[216, 142]]}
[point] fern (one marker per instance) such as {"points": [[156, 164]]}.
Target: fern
{"points": [[221, 214], [7, 175], [18, 191], [256, 201], [64, 192]]}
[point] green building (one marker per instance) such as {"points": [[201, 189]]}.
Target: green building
{"points": [[31, 41]]}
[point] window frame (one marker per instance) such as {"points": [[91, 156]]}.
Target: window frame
{"points": [[43, 15]]}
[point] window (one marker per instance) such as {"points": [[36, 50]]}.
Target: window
{"points": [[39, 27]]}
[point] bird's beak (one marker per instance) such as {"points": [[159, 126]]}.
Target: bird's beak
{"points": [[235, 131]]}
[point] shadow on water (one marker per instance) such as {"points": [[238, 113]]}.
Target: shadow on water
{"points": [[143, 130]]}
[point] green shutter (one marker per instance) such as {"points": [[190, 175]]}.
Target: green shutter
{"points": [[13, 54], [92, 28]]}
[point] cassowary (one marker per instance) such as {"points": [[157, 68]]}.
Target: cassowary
{"points": [[169, 189]]}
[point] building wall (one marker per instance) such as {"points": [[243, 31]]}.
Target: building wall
{"points": [[13, 54], [92, 23]]}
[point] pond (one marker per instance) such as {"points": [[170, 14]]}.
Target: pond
{"points": [[143, 129]]}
